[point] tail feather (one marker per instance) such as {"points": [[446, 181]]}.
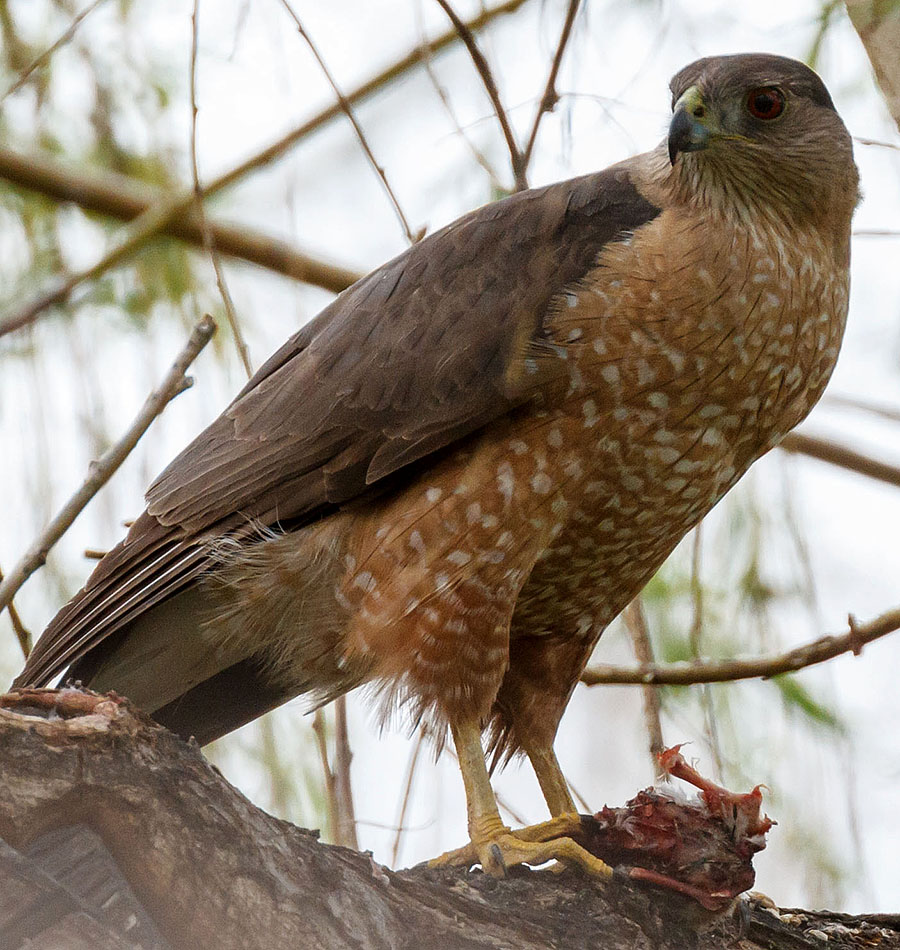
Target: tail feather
{"points": [[222, 703]]}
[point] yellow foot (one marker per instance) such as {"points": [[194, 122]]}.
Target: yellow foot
{"points": [[496, 848]]}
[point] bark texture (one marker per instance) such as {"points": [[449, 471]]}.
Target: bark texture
{"points": [[116, 834]]}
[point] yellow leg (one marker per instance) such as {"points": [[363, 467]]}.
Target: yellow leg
{"points": [[552, 781], [493, 845]]}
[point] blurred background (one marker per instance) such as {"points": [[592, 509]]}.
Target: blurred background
{"points": [[100, 93]]}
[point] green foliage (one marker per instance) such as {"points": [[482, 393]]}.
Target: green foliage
{"points": [[828, 13], [40, 115], [798, 699]]}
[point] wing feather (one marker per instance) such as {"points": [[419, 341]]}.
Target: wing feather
{"points": [[411, 358]]}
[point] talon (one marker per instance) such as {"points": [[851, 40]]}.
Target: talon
{"points": [[497, 863], [533, 845]]}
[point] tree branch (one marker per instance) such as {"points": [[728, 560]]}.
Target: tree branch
{"points": [[91, 788], [687, 674], [343, 787], [636, 623], [878, 26], [173, 216], [208, 242], [490, 85], [839, 455], [347, 109], [43, 57], [23, 634], [550, 96], [125, 198], [100, 472]]}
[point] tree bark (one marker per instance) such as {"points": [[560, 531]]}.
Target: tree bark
{"points": [[119, 835], [878, 24]]}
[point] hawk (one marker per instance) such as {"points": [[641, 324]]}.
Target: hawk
{"points": [[450, 481]]}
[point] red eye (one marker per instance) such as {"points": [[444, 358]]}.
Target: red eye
{"points": [[767, 102]]}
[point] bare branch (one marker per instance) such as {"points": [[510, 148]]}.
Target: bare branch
{"points": [[407, 793], [208, 241], [687, 674], [835, 454], [877, 143], [91, 784], [169, 215], [100, 471], [695, 637], [125, 198], [490, 85], [636, 624], [345, 824], [550, 96], [347, 109], [23, 635], [327, 774], [39, 61], [440, 90]]}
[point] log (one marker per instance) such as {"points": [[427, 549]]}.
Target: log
{"points": [[117, 834]]}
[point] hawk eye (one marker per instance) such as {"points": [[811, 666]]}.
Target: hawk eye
{"points": [[766, 102]]}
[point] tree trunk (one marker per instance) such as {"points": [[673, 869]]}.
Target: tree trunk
{"points": [[119, 835]]}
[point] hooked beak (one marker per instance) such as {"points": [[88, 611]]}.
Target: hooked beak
{"points": [[689, 130]]}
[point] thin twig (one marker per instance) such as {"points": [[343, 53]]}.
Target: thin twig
{"points": [[490, 85], [281, 783], [580, 800], [23, 634], [550, 96], [343, 788], [407, 793], [835, 454], [696, 632], [876, 142], [347, 109], [695, 638], [726, 671], [169, 215], [441, 92], [208, 241], [100, 471], [39, 60], [636, 624], [327, 774]]}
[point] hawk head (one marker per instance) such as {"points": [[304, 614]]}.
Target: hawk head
{"points": [[757, 132]]}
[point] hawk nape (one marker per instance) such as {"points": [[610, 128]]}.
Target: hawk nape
{"points": [[456, 476]]}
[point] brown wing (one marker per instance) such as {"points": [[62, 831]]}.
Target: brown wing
{"points": [[413, 357]]}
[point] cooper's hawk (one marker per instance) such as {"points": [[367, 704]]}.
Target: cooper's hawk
{"points": [[453, 479]]}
